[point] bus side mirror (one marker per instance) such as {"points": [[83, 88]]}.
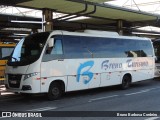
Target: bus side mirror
{"points": [[155, 57], [51, 42]]}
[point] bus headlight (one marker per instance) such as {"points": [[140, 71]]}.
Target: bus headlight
{"points": [[30, 75]]}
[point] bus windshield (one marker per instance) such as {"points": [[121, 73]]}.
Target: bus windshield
{"points": [[28, 50]]}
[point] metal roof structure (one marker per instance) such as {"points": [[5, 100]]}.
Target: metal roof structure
{"points": [[84, 8], [98, 15], [151, 6]]}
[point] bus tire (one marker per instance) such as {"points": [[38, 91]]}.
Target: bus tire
{"points": [[126, 82], [55, 91]]}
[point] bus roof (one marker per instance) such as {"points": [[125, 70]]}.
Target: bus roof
{"points": [[95, 33]]}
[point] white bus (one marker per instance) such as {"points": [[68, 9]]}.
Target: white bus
{"points": [[156, 45], [60, 61]]}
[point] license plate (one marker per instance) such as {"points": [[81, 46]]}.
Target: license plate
{"points": [[13, 82]]}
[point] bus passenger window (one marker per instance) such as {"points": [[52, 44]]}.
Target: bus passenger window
{"points": [[56, 49]]}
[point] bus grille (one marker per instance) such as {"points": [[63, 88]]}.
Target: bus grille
{"points": [[14, 80]]}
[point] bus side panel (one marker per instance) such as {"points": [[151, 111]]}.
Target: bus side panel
{"points": [[143, 71], [110, 78], [73, 84], [80, 74], [96, 81], [51, 71], [139, 75], [89, 73]]}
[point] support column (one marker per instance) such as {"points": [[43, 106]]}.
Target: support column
{"points": [[120, 27], [47, 18]]}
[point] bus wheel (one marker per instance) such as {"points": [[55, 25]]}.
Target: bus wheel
{"points": [[126, 82], [55, 91]]}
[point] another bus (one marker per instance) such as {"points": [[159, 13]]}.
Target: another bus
{"points": [[6, 49], [156, 45], [60, 61]]}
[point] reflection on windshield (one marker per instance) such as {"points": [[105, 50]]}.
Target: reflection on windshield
{"points": [[17, 52], [29, 49]]}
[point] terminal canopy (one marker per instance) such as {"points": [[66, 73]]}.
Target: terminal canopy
{"points": [[89, 8], [81, 14]]}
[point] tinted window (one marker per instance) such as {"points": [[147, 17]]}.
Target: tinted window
{"points": [[78, 47], [95, 47], [55, 51], [132, 48], [104, 47], [146, 48], [75, 47]]}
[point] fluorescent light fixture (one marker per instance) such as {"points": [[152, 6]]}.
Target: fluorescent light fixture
{"points": [[79, 18], [150, 28], [20, 34], [36, 22], [18, 29], [17, 39], [137, 33]]}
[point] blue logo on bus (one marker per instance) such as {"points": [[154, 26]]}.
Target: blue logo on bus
{"points": [[89, 65]]}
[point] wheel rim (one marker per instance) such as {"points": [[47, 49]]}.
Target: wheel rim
{"points": [[126, 83], [55, 91]]}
